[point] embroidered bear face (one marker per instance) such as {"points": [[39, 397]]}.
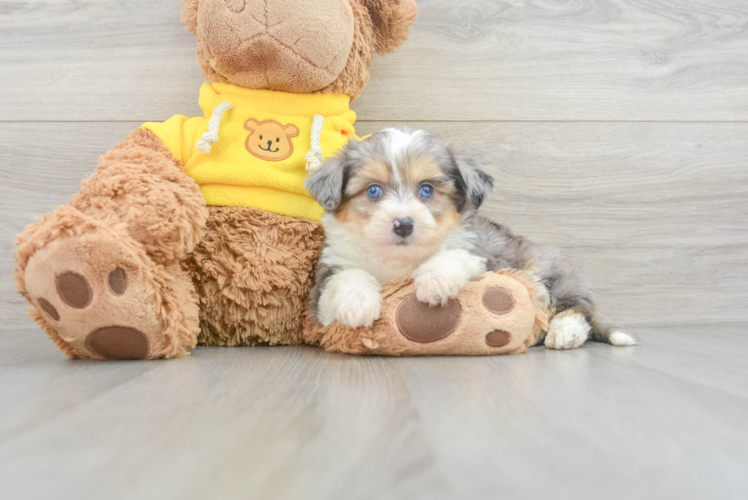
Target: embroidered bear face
{"points": [[270, 140]]}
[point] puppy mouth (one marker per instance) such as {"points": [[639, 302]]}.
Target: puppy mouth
{"points": [[269, 149], [402, 241]]}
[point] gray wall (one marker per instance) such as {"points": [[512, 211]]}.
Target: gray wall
{"points": [[617, 130]]}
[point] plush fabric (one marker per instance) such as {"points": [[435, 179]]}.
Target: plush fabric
{"points": [[496, 314], [253, 272], [288, 45], [143, 185], [375, 26], [239, 171]]}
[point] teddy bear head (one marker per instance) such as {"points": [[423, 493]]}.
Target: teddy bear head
{"points": [[296, 45]]}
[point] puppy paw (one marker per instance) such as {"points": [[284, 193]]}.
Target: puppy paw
{"points": [[435, 288], [352, 298], [443, 276], [567, 331], [357, 309]]}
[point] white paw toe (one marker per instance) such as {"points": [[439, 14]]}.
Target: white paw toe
{"points": [[567, 332], [362, 312], [355, 307], [436, 289], [353, 298]]}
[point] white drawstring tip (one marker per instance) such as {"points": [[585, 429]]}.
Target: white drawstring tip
{"points": [[313, 160], [210, 137], [205, 144]]}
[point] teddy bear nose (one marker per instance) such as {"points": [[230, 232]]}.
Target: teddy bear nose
{"points": [[270, 143], [286, 45], [403, 227]]}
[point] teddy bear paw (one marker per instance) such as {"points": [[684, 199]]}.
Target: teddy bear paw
{"points": [[491, 314], [104, 299]]}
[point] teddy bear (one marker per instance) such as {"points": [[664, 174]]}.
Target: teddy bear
{"points": [[199, 230]]}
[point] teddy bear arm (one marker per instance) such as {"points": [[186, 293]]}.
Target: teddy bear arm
{"points": [[495, 314], [142, 184]]}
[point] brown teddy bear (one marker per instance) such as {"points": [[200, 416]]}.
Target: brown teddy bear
{"points": [[199, 229]]}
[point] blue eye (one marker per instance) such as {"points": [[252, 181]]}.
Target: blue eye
{"points": [[427, 191], [374, 192]]}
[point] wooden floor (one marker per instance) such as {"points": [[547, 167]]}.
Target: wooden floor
{"points": [[616, 129], [663, 420]]}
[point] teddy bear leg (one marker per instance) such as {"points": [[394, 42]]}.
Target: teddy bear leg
{"points": [[253, 272], [102, 273], [141, 184], [99, 295]]}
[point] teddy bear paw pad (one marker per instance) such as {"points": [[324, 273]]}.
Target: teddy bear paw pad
{"points": [[74, 290], [498, 300], [119, 342], [498, 338], [418, 322]]}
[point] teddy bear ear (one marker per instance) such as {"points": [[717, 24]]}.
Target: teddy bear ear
{"points": [[189, 15], [391, 20], [291, 130], [252, 125]]}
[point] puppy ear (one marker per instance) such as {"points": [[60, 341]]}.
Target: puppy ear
{"points": [[391, 20], [327, 183], [189, 15], [476, 184], [291, 130], [252, 125]]}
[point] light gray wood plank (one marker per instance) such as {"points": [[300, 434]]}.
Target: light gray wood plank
{"points": [[678, 60], [654, 214], [598, 422], [697, 352]]}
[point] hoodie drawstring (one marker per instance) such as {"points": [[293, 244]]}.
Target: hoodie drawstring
{"points": [[211, 136], [314, 157]]}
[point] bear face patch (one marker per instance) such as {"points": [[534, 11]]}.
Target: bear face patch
{"points": [[270, 140]]}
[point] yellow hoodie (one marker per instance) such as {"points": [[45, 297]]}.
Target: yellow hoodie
{"points": [[255, 147]]}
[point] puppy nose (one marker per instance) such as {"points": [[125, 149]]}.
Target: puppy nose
{"points": [[403, 227]]}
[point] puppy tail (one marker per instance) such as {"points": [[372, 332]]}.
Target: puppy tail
{"points": [[608, 335]]}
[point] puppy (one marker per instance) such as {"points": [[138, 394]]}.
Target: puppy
{"points": [[405, 203]]}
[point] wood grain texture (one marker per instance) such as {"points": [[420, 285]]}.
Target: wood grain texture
{"points": [[677, 60], [655, 214], [289, 423]]}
